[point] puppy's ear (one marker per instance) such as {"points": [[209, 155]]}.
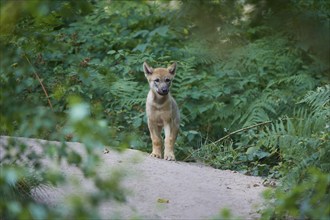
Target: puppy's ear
{"points": [[172, 68], [148, 70]]}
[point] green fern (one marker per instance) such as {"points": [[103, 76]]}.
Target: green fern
{"points": [[128, 93], [318, 99], [258, 112], [301, 138], [304, 80]]}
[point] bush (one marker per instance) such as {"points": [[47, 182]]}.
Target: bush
{"points": [[252, 85], [308, 199]]}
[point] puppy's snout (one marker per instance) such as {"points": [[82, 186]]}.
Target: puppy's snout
{"points": [[165, 90]]}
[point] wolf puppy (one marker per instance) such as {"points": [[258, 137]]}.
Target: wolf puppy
{"points": [[162, 110]]}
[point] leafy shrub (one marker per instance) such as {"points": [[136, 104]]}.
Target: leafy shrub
{"points": [[252, 86], [308, 199]]}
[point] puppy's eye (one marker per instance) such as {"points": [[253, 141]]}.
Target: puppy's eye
{"points": [[156, 80], [167, 80]]}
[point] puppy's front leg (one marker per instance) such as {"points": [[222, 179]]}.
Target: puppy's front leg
{"points": [[171, 131], [156, 138]]}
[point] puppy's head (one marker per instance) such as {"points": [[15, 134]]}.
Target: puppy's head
{"points": [[159, 79]]}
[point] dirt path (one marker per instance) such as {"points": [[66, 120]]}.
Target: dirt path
{"points": [[193, 191]]}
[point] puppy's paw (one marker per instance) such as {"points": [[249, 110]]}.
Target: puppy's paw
{"points": [[155, 154], [169, 156]]}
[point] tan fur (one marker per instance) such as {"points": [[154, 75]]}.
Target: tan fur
{"points": [[162, 110]]}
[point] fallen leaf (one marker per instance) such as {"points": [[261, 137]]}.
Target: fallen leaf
{"points": [[269, 183], [163, 201]]}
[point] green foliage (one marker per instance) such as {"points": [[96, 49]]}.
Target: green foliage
{"points": [[308, 199], [72, 70], [23, 172]]}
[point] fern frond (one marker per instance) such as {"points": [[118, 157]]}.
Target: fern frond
{"points": [[259, 111], [127, 93], [318, 99], [305, 80], [202, 54], [297, 135]]}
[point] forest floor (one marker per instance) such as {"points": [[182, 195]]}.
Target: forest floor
{"points": [[159, 189]]}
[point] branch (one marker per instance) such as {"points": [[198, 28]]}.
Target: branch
{"points": [[234, 132], [242, 129], [43, 87]]}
